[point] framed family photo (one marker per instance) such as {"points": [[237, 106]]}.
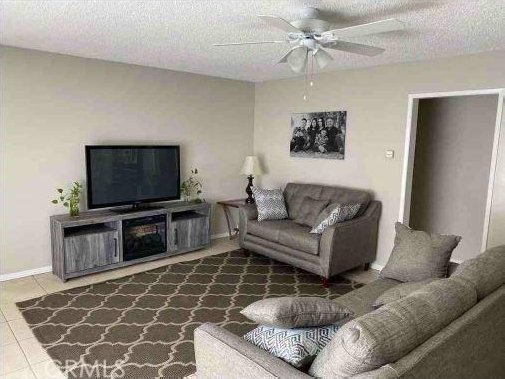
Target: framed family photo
{"points": [[318, 135]]}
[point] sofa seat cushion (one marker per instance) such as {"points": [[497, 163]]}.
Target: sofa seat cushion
{"points": [[400, 291], [268, 230], [360, 301], [387, 334], [287, 233]]}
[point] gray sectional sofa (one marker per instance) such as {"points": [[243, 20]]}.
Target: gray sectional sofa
{"points": [[341, 247], [470, 344]]}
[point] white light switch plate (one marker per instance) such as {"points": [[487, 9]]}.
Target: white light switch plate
{"points": [[390, 154]]}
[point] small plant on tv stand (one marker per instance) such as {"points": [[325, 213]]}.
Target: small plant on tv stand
{"points": [[70, 199], [191, 188]]}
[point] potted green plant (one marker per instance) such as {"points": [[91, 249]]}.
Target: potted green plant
{"points": [[191, 188], [70, 198]]}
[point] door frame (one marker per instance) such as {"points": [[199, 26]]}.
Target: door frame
{"points": [[410, 146]]}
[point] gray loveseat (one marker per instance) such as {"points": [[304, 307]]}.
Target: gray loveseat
{"points": [[341, 247], [470, 346]]}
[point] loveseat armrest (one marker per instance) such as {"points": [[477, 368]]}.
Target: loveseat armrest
{"points": [[222, 354], [248, 211], [351, 243]]}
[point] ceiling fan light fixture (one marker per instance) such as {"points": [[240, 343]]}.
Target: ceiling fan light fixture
{"points": [[322, 58], [297, 60]]}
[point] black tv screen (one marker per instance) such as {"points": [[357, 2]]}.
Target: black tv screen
{"points": [[121, 175]]}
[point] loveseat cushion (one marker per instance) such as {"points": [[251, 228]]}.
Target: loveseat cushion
{"points": [[486, 271], [310, 210], [295, 192], [387, 334], [287, 233]]}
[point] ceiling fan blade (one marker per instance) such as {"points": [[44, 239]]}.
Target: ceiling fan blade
{"points": [[322, 58], [355, 48], [279, 23], [297, 58], [383, 26], [246, 43]]}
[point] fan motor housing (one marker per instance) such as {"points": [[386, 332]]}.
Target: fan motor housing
{"points": [[310, 21]]}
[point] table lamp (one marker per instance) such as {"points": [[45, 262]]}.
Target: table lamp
{"points": [[251, 168]]}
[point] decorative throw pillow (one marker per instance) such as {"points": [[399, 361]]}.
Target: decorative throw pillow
{"points": [[340, 213], [298, 347], [400, 291], [295, 312], [419, 255], [309, 210], [270, 204]]}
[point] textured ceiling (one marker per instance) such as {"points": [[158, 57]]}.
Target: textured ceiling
{"points": [[178, 34]]}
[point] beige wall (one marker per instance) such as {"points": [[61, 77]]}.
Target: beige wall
{"points": [[376, 101], [454, 144], [52, 105]]}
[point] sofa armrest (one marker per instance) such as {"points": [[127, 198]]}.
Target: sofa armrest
{"points": [[351, 243], [249, 211], [222, 354]]}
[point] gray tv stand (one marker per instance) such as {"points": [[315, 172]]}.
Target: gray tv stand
{"points": [[94, 241]]}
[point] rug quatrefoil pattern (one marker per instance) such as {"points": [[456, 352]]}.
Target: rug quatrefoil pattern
{"points": [[141, 326]]}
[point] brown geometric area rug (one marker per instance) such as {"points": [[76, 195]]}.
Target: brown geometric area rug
{"points": [[141, 326]]}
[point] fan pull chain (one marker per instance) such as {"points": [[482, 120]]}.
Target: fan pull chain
{"points": [[311, 83], [306, 89]]}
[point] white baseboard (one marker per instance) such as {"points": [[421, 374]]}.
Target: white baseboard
{"points": [[376, 266], [42, 270], [22, 274], [216, 236]]}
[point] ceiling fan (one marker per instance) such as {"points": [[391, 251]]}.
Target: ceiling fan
{"points": [[310, 35]]}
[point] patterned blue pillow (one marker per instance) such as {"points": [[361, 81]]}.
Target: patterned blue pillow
{"points": [[340, 213], [298, 347], [270, 204]]}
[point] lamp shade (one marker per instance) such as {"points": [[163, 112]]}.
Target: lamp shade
{"points": [[251, 166]]}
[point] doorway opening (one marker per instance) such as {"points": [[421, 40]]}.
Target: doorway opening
{"points": [[450, 162]]}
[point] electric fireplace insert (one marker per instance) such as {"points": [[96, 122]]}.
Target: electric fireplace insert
{"points": [[144, 236]]}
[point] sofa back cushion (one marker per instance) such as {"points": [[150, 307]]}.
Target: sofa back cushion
{"points": [[387, 334], [294, 194], [486, 271], [309, 211]]}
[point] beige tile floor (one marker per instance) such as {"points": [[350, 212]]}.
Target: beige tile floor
{"points": [[22, 357]]}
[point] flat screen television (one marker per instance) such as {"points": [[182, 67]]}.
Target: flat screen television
{"points": [[131, 175]]}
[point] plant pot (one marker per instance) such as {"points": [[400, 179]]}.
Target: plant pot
{"points": [[74, 210]]}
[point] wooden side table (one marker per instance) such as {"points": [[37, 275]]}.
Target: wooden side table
{"points": [[227, 205]]}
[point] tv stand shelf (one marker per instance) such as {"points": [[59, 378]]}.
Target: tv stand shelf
{"points": [[93, 241]]}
